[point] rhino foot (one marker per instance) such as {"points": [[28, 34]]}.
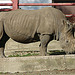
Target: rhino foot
{"points": [[2, 56], [44, 54]]}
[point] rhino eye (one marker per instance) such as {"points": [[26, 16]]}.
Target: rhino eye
{"points": [[67, 41], [68, 25]]}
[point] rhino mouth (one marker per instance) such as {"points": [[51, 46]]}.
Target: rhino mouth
{"points": [[68, 46]]}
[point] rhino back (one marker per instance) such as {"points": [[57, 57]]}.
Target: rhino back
{"points": [[2, 15], [20, 24]]}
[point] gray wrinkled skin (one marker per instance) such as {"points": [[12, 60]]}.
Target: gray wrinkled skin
{"points": [[42, 25]]}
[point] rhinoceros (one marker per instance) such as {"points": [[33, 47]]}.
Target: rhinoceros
{"points": [[26, 26]]}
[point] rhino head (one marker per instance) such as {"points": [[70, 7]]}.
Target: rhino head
{"points": [[67, 40]]}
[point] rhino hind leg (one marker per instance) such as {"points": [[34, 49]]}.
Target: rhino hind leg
{"points": [[44, 39], [3, 40]]}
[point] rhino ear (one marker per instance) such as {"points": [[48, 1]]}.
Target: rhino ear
{"points": [[64, 22], [67, 23]]}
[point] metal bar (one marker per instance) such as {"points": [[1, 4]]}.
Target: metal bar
{"points": [[5, 9], [6, 4], [38, 4], [15, 4], [47, 4], [70, 15]]}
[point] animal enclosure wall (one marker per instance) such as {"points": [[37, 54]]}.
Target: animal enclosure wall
{"points": [[14, 48]]}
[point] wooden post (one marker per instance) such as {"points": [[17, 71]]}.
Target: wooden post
{"points": [[15, 4]]}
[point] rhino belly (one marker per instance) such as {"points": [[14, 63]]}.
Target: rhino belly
{"points": [[19, 37]]}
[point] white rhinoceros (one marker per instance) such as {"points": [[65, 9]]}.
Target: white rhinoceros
{"points": [[28, 26]]}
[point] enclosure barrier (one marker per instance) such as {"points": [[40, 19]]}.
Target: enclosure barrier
{"points": [[37, 63], [15, 4]]}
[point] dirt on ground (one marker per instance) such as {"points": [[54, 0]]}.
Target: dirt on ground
{"points": [[54, 72]]}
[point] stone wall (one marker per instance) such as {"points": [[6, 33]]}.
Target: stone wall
{"points": [[37, 63], [13, 47]]}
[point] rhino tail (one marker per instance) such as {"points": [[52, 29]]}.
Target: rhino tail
{"points": [[1, 29]]}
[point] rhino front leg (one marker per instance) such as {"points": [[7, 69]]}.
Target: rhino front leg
{"points": [[44, 39], [2, 55], [2, 45]]}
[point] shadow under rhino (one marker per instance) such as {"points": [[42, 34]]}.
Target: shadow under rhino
{"points": [[26, 26]]}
